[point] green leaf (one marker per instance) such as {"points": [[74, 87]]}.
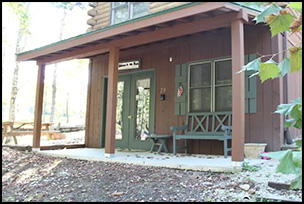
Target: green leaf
{"points": [[298, 124], [280, 23], [254, 74], [272, 8], [296, 6], [299, 142], [296, 183], [284, 66], [295, 112], [253, 65], [269, 70], [289, 122], [297, 158], [283, 108], [287, 166], [295, 59]]}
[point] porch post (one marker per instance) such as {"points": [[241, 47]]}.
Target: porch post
{"points": [[38, 107], [111, 102], [238, 92]]}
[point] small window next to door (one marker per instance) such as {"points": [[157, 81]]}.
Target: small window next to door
{"points": [[123, 11], [210, 86], [142, 99]]}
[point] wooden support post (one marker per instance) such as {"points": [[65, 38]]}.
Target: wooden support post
{"points": [[238, 92], [38, 107], [111, 102], [277, 88]]}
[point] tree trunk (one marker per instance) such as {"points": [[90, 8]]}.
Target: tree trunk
{"points": [[54, 85], [15, 81], [67, 107], [54, 90], [44, 105], [14, 93]]}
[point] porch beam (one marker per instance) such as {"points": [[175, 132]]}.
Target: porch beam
{"points": [[177, 30], [188, 10], [111, 102], [238, 92], [38, 107]]}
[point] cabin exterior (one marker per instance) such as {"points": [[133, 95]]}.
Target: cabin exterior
{"points": [[152, 63]]}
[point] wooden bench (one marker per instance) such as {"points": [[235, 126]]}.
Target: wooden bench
{"points": [[9, 129], [204, 126]]}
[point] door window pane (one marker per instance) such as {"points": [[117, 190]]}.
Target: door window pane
{"points": [[142, 99], [223, 72], [223, 98], [200, 75], [200, 100], [119, 110]]}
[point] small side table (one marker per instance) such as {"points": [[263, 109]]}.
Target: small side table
{"points": [[160, 140]]}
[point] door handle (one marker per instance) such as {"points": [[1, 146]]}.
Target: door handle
{"points": [[130, 117]]}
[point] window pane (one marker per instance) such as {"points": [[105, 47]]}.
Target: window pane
{"points": [[120, 15], [223, 98], [142, 109], [119, 110], [140, 9], [223, 72], [115, 4], [200, 100], [200, 75]]}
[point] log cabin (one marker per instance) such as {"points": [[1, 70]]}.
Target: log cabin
{"points": [[154, 63]]}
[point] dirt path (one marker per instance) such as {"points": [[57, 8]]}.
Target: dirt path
{"points": [[34, 177]]}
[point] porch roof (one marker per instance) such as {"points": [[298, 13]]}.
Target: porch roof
{"points": [[178, 21]]}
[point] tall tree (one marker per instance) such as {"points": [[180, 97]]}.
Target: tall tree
{"points": [[66, 6], [21, 10]]}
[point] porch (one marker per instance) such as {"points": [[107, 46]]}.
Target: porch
{"points": [[197, 162], [164, 42]]}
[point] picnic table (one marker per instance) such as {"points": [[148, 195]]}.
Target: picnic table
{"points": [[18, 128]]}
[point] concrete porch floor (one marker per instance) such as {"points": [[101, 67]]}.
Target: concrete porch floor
{"points": [[196, 162]]}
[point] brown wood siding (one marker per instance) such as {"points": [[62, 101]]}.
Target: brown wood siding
{"points": [[259, 126], [294, 80], [94, 106], [100, 15], [294, 90]]}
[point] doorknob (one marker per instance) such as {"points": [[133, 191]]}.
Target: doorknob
{"points": [[130, 117]]}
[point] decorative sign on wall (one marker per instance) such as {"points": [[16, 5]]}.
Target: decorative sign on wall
{"points": [[131, 64]]}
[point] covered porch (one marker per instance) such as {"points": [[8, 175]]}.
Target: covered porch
{"points": [[185, 20]]}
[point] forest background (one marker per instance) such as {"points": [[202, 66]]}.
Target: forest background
{"points": [[45, 23]]}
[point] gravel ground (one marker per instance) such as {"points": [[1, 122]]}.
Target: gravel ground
{"points": [[34, 177]]}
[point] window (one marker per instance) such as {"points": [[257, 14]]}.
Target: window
{"points": [[122, 11], [210, 86]]}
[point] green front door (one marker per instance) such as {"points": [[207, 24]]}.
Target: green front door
{"points": [[135, 110]]}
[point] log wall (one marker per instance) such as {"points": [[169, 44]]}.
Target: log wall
{"points": [[100, 14]]}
